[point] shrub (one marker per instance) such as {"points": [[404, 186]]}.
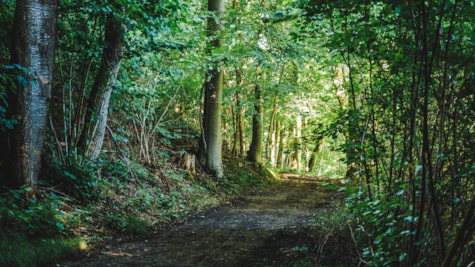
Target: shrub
{"points": [[35, 218], [76, 177]]}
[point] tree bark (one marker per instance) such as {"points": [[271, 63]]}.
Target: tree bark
{"points": [[298, 143], [255, 150], [313, 158], [210, 154], [34, 42], [238, 145], [281, 152], [271, 139], [92, 136]]}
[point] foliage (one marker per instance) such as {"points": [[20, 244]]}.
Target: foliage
{"points": [[35, 218], [77, 178], [10, 76], [8, 7], [405, 132], [383, 227]]}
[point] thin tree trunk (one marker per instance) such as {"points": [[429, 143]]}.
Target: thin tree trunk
{"points": [[277, 142], [281, 154], [235, 145], [240, 126], [298, 144], [34, 44], [237, 118], [92, 136], [463, 234], [271, 139]]}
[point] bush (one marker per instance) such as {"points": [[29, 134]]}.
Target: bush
{"points": [[76, 177], [32, 217], [32, 231]]}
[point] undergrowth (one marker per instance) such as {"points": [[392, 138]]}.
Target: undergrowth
{"points": [[34, 232], [120, 198], [19, 250]]}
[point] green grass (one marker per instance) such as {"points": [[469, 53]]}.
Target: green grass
{"points": [[128, 224], [17, 250]]}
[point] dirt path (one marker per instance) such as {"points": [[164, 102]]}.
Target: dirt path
{"points": [[268, 228]]}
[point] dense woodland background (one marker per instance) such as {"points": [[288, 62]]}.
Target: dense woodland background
{"points": [[100, 100]]}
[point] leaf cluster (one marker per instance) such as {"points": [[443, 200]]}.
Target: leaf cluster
{"points": [[39, 218]]}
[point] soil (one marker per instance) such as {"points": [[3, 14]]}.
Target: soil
{"points": [[272, 227]]}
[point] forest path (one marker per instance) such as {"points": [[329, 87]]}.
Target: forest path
{"points": [[265, 228]]}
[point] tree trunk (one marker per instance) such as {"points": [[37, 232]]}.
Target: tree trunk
{"points": [[281, 152], [210, 154], [298, 143], [271, 139], [94, 129], [238, 146], [34, 43], [255, 150], [277, 142], [313, 158]]}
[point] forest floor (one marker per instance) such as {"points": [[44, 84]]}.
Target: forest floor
{"points": [[275, 226]]}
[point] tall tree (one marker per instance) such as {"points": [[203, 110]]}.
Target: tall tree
{"points": [[210, 154], [255, 150], [33, 44]]}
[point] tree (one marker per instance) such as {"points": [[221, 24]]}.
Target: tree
{"points": [[34, 41], [92, 136], [210, 154], [255, 150]]}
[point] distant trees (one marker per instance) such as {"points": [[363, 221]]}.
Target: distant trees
{"points": [[154, 89]]}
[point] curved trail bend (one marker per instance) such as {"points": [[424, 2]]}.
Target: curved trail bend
{"points": [[254, 231]]}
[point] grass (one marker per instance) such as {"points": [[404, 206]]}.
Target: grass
{"points": [[17, 250]]}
